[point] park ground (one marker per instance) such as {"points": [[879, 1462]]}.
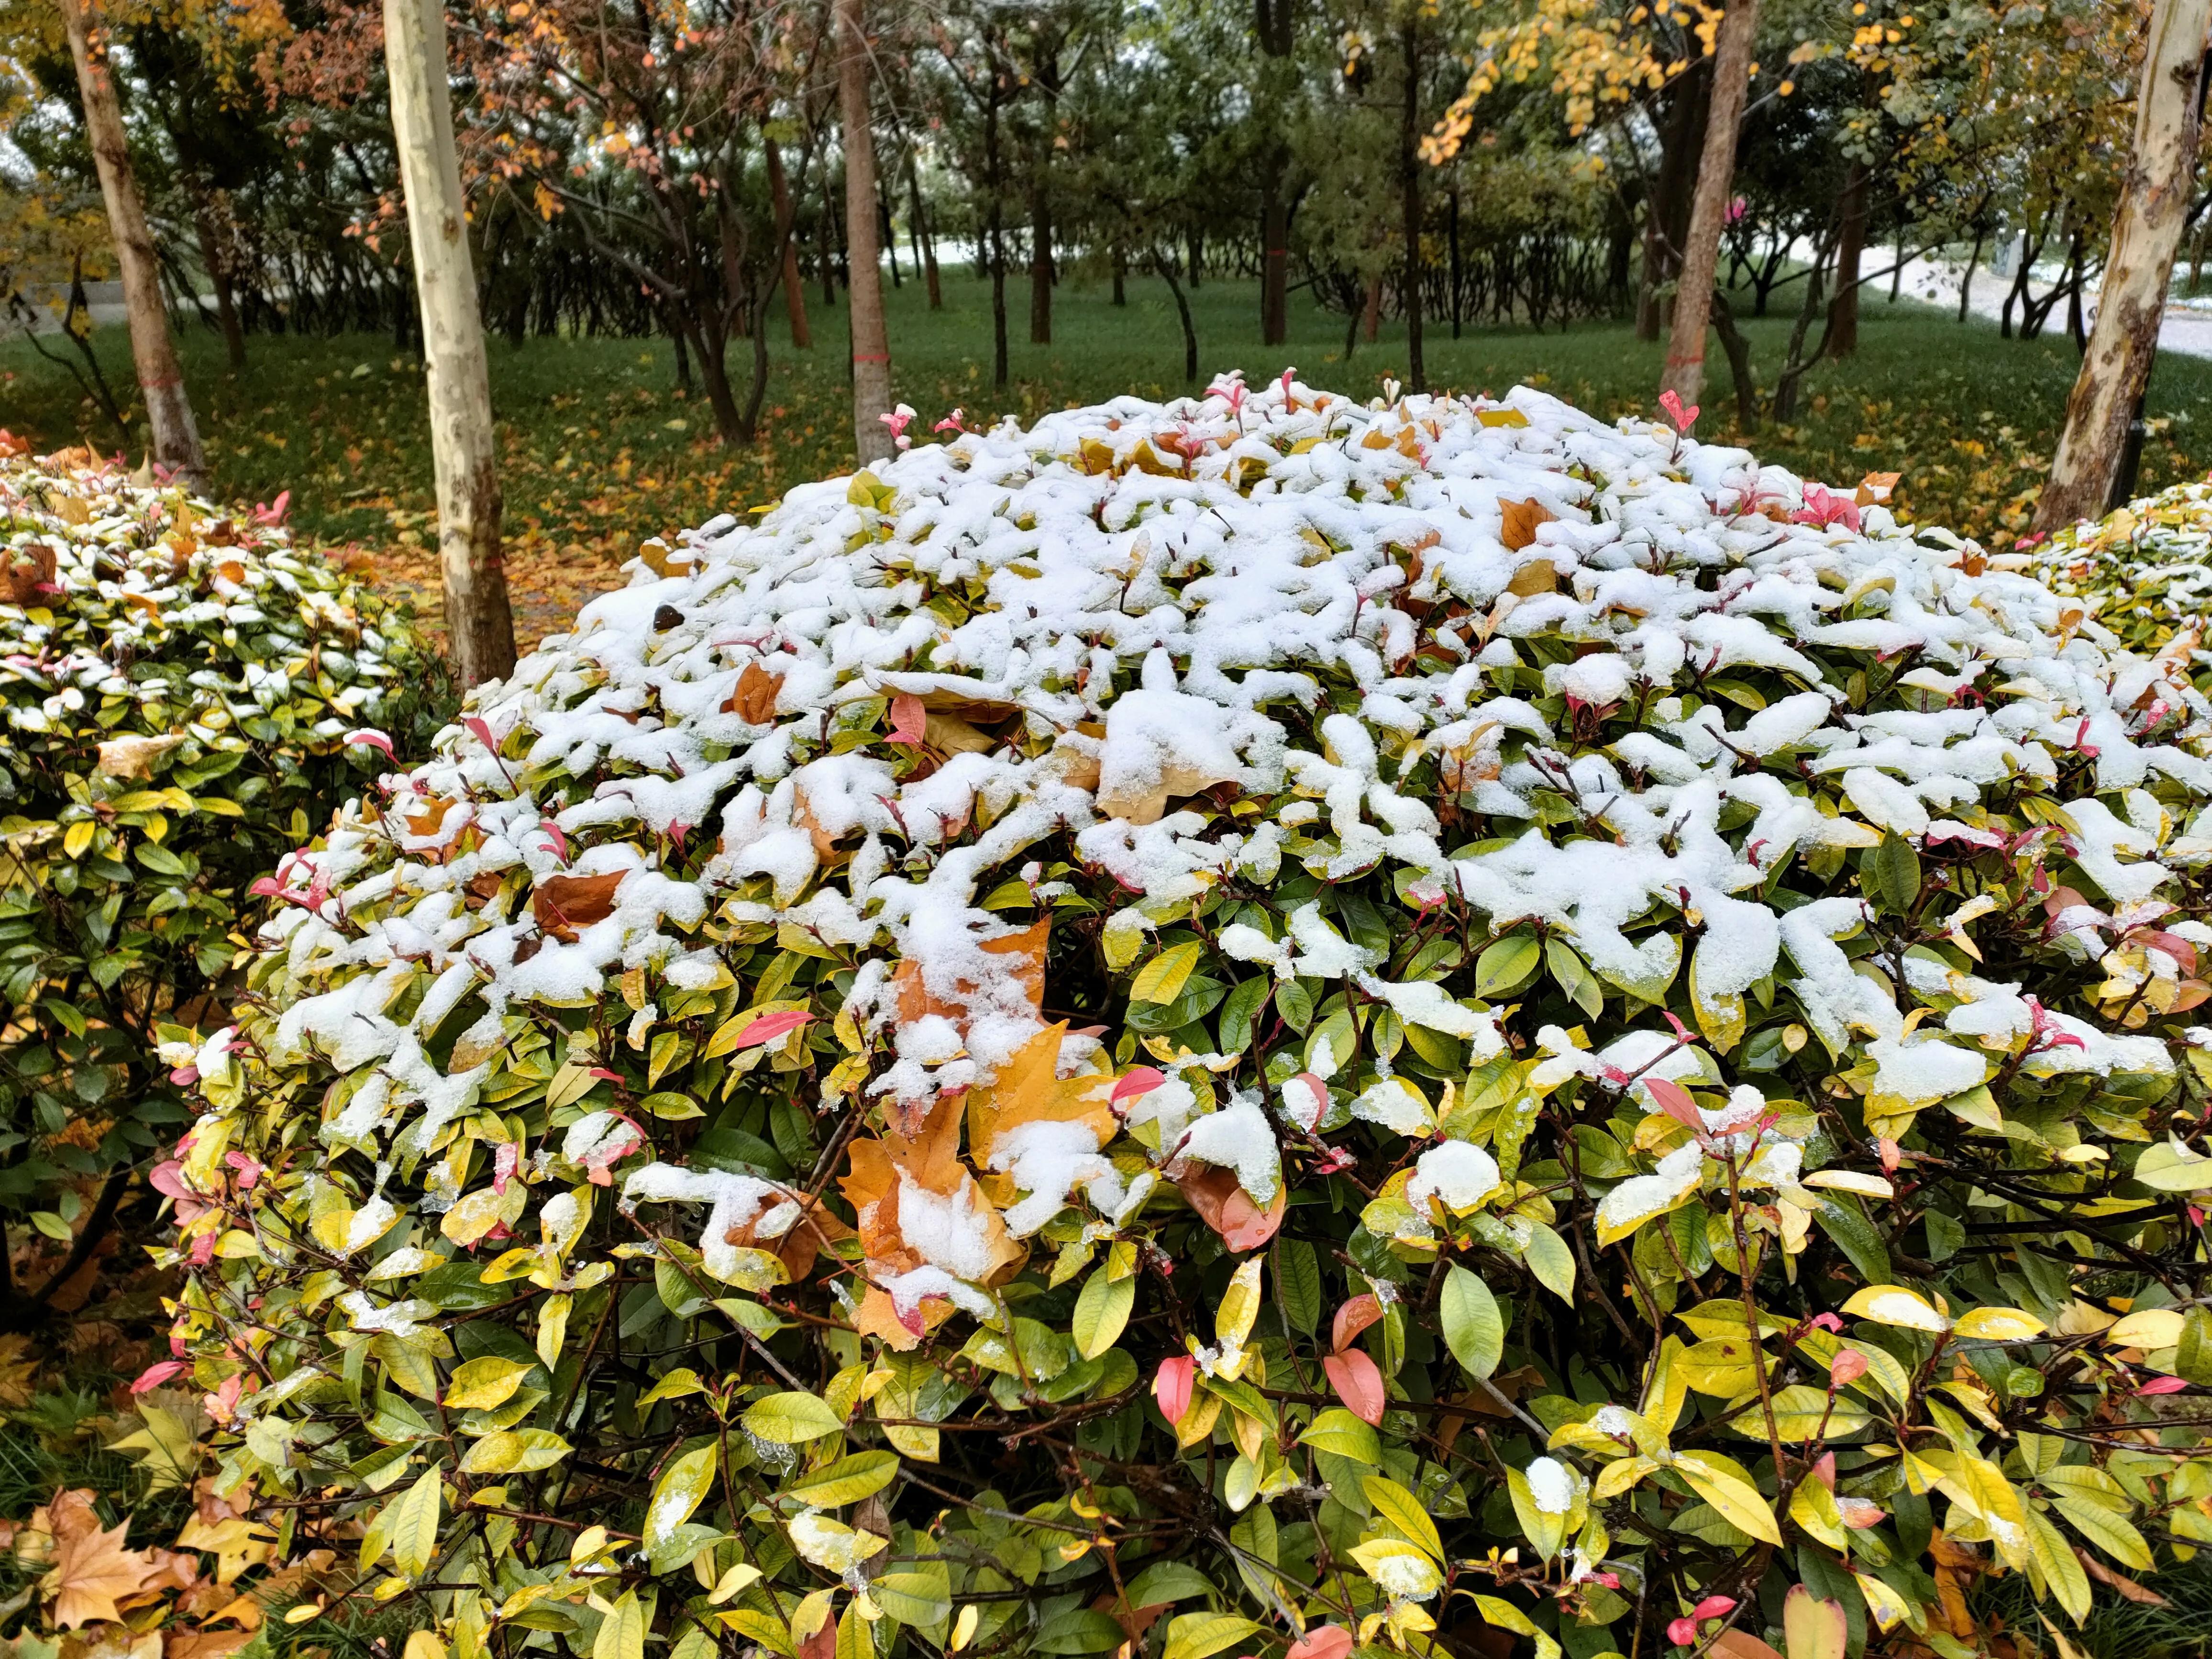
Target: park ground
{"points": [[600, 450]]}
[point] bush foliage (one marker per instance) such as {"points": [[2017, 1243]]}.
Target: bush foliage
{"points": [[1262, 1022], [2142, 571], [178, 681]]}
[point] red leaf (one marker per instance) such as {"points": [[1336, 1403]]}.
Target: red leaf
{"points": [[1713, 1607], [1674, 1100], [153, 1376], [1358, 1383], [909, 720], [1139, 1080], [768, 1027], [1353, 1317], [1228, 1209], [2164, 1385], [1322, 1642], [1171, 1385]]}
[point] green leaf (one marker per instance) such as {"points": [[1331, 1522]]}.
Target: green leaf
{"points": [[789, 1419], [1573, 977], [1506, 965], [1161, 980], [847, 1480], [413, 1523], [1474, 1329], [1298, 1284], [1240, 1011], [1338, 1431], [1551, 1260], [1078, 1630], [1168, 1581], [2107, 1531], [682, 1486], [1847, 1226], [2193, 1355], [1199, 1635], [919, 1597], [1102, 1311], [1891, 873]]}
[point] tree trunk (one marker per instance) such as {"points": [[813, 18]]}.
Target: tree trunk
{"points": [[1409, 181], [995, 249], [1197, 255], [176, 436], [925, 241], [2146, 228], [1666, 216], [1966, 276], [887, 232], [218, 269], [1275, 23], [1040, 263], [463, 444], [829, 242], [1166, 268], [1274, 255], [1843, 309], [871, 348], [795, 297], [1685, 346], [1370, 315], [1454, 261], [1120, 275]]}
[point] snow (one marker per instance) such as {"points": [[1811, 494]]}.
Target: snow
{"points": [[1457, 1173], [1550, 1485], [1197, 674]]}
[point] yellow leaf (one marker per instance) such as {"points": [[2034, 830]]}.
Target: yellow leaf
{"points": [[1892, 1304], [1722, 1482], [1240, 1304], [2153, 1327], [1161, 980]]}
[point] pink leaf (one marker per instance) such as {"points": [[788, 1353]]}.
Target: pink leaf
{"points": [[2164, 1385], [1848, 1366], [1358, 1383], [1684, 419], [1353, 1317], [1681, 1631], [1673, 1099], [910, 721], [1322, 1641], [558, 837], [768, 1027], [1824, 1471], [1137, 1080], [476, 723], [1305, 1098], [372, 739], [1713, 1607], [1171, 1386], [504, 1162], [153, 1376]]}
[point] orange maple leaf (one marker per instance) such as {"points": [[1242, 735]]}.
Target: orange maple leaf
{"points": [[92, 1571]]}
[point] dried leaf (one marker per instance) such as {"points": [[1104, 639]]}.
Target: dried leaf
{"points": [[1521, 519], [563, 904]]}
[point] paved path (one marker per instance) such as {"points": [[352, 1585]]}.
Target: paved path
{"points": [[1936, 282]]}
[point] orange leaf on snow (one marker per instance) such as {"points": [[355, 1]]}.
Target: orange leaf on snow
{"points": [[922, 1171], [1521, 519], [754, 698], [916, 1001], [1029, 1089], [562, 904]]}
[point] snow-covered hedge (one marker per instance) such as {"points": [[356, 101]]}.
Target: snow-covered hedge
{"points": [[177, 681], [1266, 1021], [2142, 573]]}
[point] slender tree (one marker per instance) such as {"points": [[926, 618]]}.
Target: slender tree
{"points": [[2146, 228], [872, 346], [794, 292], [1694, 300], [463, 441], [153, 354]]}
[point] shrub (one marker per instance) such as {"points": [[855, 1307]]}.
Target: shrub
{"points": [[2142, 570], [178, 681], [1262, 1021]]}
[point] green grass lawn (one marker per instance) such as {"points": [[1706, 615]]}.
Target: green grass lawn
{"points": [[599, 450]]}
